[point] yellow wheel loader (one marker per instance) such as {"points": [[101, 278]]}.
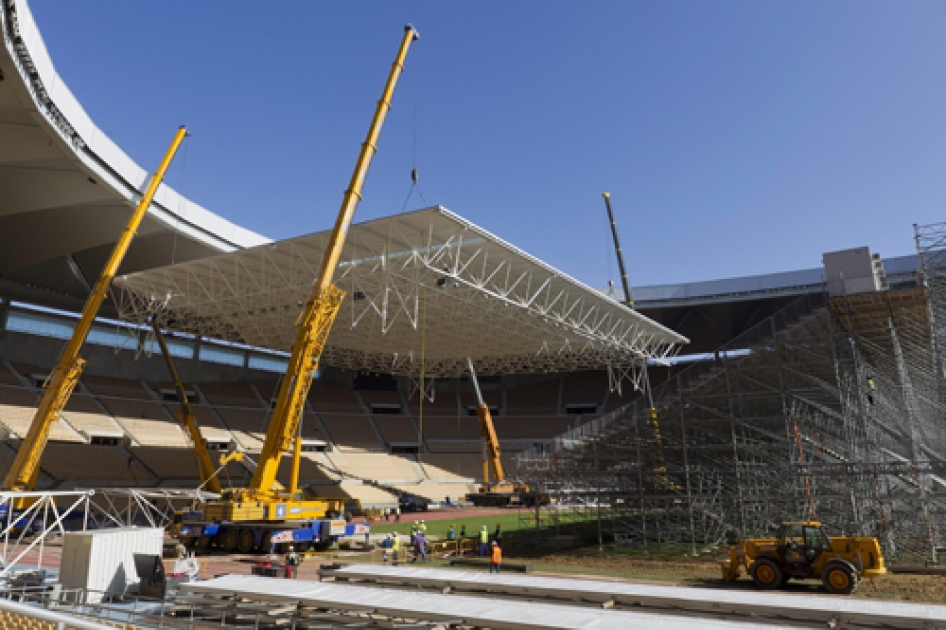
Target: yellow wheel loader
{"points": [[804, 551]]}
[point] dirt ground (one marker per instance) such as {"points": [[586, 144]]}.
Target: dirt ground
{"points": [[704, 572]]}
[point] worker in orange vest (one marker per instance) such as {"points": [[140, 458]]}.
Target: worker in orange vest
{"points": [[496, 558]]}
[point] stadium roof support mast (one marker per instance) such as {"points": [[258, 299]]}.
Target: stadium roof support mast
{"points": [[315, 322], [617, 248], [65, 376]]}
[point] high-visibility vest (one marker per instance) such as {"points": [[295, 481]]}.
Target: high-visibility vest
{"points": [[497, 555], [423, 527], [484, 537], [396, 543]]}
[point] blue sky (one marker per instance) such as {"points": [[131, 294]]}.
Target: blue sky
{"points": [[735, 137]]}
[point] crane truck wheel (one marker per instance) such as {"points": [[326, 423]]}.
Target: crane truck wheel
{"points": [[839, 578], [766, 573], [230, 539], [245, 541]]}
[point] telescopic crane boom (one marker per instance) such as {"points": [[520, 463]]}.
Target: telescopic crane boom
{"points": [[617, 248], [318, 315], [185, 417], [493, 455], [65, 376]]}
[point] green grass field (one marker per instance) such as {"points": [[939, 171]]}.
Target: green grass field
{"points": [[440, 527]]}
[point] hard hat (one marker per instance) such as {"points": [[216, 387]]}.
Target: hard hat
{"points": [[290, 547], [494, 543], [422, 521], [415, 522], [452, 525], [484, 526]]}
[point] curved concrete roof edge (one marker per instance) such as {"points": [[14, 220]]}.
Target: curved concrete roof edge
{"points": [[66, 117]]}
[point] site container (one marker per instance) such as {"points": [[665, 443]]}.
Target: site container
{"points": [[102, 560]]}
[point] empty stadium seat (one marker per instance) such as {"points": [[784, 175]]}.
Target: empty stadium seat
{"points": [[582, 388], [230, 393], [526, 427], [7, 377], [533, 399], [147, 422], [17, 410], [396, 429], [377, 466], [120, 387], [247, 425], [83, 413], [371, 397], [334, 399], [438, 491], [445, 403], [464, 427], [492, 397], [177, 464], [351, 432], [70, 463]]}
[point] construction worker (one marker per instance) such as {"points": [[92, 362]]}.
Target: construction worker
{"points": [[871, 387], [496, 558], [420, 546], [397, 514], [484, 542], [452, 534], [385, 545], [498, 535], [462, 532], [423, 526], [395, 548], [414, 529], [292, 563]]}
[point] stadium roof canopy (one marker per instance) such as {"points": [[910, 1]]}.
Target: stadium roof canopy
{"points": [[426, 287], [68, 190]]}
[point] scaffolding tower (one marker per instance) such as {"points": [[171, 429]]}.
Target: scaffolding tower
{"points": [[830, 409]]}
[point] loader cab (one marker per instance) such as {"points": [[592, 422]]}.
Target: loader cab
{"points": [[802, 543]]}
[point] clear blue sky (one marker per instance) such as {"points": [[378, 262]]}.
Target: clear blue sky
{"points": [[735, 137]]}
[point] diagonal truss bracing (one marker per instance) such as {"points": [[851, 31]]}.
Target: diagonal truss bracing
{"points": [[427, 276]]}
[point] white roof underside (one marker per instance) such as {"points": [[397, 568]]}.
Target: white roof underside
{"points": [[426, 286]]}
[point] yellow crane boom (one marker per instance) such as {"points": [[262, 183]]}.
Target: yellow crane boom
{"points": [[493, 453], [185, 417], [65, 376], [315, 321]]}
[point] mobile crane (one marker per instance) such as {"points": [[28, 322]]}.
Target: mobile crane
{"points": [[265, 515], [502, 492], [65, 376], [186, 419]]}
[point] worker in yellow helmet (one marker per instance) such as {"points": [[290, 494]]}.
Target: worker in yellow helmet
{"points": [[395, 548], [484, 542]]}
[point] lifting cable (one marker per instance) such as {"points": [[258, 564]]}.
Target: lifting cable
{"points": [[414, 183], [423, 357]]}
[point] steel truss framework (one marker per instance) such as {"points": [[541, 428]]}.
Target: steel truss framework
{"points": [[50, 514], [422, 284], [828, 409]]}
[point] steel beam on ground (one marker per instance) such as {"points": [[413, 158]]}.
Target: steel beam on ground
{"points": [[840, 611], [452, 609]]}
